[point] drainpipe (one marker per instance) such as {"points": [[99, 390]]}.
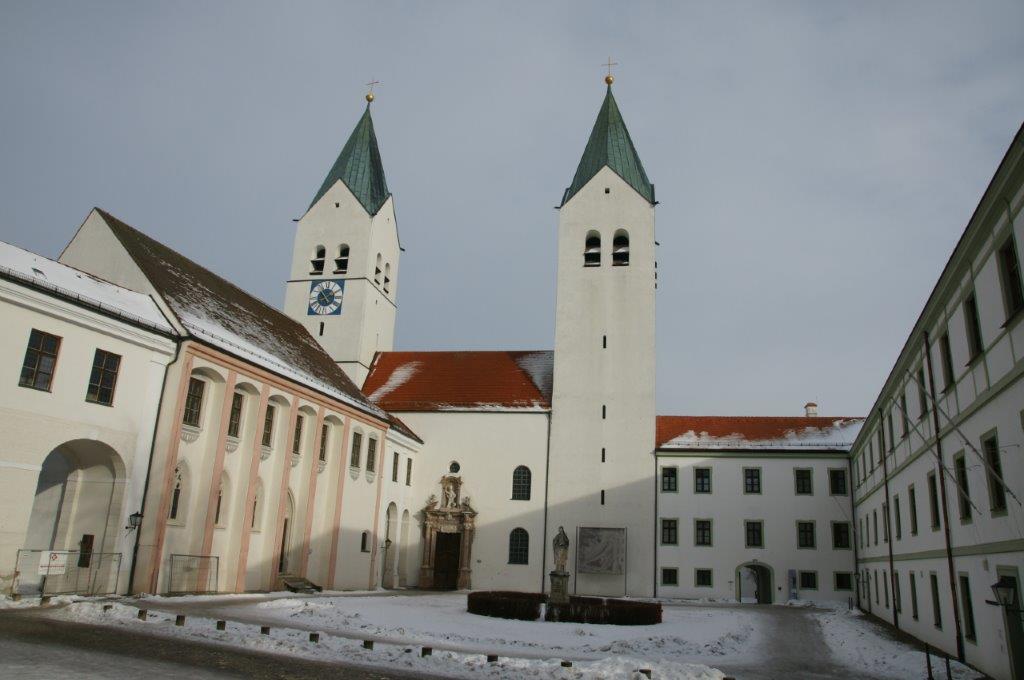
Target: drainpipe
{"points": [[149, 464], [547, 482], [942, 495], [855, 529], [885, 519]]}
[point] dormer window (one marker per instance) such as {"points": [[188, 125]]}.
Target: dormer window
{"points": [[592, 250], [317, 262], [387, 277], [341, 261], [620, 249]]}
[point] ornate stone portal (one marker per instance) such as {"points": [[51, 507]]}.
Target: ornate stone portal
{"points": [[448, 529]]}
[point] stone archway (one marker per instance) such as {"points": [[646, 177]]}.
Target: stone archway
{"points": [[754, 582], [78, 510], [391, 547], [449, 527]]}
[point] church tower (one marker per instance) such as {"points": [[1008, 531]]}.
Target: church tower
{"points": [[601, 480], [344, 276]]}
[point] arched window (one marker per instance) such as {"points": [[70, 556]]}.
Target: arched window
{"points": [[341, 261], [521, 483], [620, 248], [376, 272], [325, 433], [592, 250], [364, 542], [257, 505], [177, 510], [518, 546], [387, 277], [317, 261]]}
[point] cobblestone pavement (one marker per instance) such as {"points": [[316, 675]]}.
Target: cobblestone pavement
{"points": [[37, 648]]}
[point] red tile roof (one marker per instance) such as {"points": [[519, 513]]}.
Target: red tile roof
{"points": [[457, 381], [755, 431]]}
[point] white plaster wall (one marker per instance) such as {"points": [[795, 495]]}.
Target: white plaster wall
{"points": [[367, 319], [37, 422], [617, 302], [778, 506], [488, 447]]}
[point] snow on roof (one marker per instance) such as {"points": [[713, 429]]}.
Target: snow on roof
{"points": [[225, 316], [461, 381], [757, 432], [73, 284]]}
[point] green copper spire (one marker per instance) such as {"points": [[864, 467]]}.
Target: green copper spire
{"points": [[359, 167], [610, 145]]}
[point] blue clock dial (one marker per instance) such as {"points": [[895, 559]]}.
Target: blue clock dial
{"points": [[325, 297]]}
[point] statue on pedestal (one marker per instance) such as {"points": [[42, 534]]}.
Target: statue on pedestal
{"points": [[560, 546]]}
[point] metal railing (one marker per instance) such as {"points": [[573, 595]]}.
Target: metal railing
{"points": [[193, 574], [57, 572]]}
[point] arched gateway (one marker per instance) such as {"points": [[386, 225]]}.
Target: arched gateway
{"points": [[449, 526]]}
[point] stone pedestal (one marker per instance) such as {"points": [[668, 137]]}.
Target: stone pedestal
{"points": [[559, 587]]}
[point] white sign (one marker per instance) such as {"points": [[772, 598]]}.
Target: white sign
{"points": [[53, 563]]}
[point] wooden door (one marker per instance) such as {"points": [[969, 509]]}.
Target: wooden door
{"points": [[446, 561]]}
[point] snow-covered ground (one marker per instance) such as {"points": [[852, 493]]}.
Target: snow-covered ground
{"points": [[688, 645]]}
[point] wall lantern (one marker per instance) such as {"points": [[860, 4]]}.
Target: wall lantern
{"points": [[1006, 593], [134, 520]]}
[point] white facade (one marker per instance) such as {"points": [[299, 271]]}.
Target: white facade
{"points": [[932, 533], [73, 465]]}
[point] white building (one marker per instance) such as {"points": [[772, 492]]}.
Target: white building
{"points": [[79, 396], [939, 519]]}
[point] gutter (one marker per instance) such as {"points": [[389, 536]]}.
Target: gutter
{"points": [[547, 483]]}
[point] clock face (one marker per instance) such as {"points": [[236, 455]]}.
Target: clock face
{"points": [[325, 297]]}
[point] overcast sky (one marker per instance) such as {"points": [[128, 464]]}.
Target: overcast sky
{"points": [[815, 162]]}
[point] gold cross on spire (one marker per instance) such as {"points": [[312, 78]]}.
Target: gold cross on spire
{"points": [[369, 95], [609, 79]]}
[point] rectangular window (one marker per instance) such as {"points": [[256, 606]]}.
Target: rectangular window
{"points": [[946, 352], [968, 608], [913, 595], [1009, 277], [802, 477], [837, 482], [268, 426], [702, 532], [994, 472], [408, 471], [922, 395], [897, 596], [963, 493], [912, 497], [193, 402], [843, 580], [235, 418], [904, 418], [898, 521], [754, 533], [936, 610], [885, 521], [805, 535], [840, 535], [933, 501], [885, 587], [808, 580], [394, 466], [669, 576], [669, 532], [40, 361], [892, 437], [297, 437], [975, 345], [702, 480], [669, 481], [103, 377], [877, 589], [325, 432], [371, 455], [874, 521], [702, 578], [751, 480], [357, 449]]}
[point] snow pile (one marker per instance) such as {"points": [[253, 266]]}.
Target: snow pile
{"points": [[71, 282], [540, 366], [294, 642], [860, 643], [397, 378]]}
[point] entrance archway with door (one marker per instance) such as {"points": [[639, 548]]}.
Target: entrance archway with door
{"points": [[754, 583], [391, 547], [448, 539], [77, 510]]}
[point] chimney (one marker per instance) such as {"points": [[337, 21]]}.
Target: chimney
{"points": [[811, 409]]}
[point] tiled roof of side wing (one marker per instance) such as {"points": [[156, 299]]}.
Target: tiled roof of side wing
{"points": [[610, 145], [461, 381], [756, 432], [360, 168]]}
